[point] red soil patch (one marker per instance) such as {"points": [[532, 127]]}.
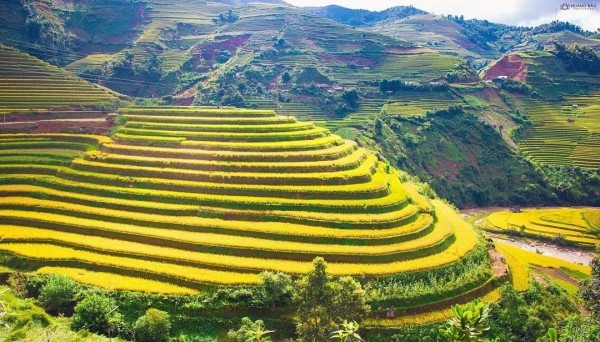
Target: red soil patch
{"points": [[230, 43], [511, 66]]}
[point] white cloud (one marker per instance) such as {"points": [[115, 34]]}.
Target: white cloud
{"points": [[514, 12]]}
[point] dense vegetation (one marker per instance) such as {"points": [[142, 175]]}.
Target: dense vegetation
{"points": [[580, 58], [517, 316], [460, 154], [558, 26]]}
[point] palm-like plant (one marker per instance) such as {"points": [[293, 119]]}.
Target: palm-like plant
{"points": [[551, 336], [348, 332], [259, 334], [469, 322]]}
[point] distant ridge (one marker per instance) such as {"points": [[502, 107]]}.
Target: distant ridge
{"points": [[359, 17]]}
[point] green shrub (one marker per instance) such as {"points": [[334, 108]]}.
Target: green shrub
{"points": [[250, 331], [57, 295], [154, 326], [96, 313]]}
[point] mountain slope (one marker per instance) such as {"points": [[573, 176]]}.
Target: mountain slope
{"points": [[29, 85], [361, 17]]}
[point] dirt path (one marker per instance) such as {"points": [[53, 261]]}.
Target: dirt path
{"points": [[569, 254], [499, 267]]}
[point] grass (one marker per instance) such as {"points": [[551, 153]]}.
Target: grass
{"points": [[28, 322], [418, 103]]}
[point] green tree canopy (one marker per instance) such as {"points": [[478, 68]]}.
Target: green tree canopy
{"points": [[323, 303], [154, 326]]}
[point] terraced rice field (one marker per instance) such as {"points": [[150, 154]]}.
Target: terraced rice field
{"points": [[521, 262], [181, 198], [420, 66], [29, 84], [418, 103], [564, 134], [367, 111], [578, 226]]}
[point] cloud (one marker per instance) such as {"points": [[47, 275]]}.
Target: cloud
{"points": [[513, 12]]}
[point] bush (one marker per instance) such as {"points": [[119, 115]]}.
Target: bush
{"points": [[154, 326], [57, 295], [250, 331], [25, 285], [96, 313]]}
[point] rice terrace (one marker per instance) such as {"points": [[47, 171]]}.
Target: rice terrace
{"points": [[268, 171]]}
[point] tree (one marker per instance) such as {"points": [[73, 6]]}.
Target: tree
{"points": [[314, 303], [233, 99], [223, 56], [590, 289], [351, 98], [324, 302], [154, 326], [579, 329], [280, 43], [348, 332], [57, 295], [286, 77], [348, 300], [251, 332], [228, 17], [469, 322], [153, 67], [277, 288], [95, 313]]}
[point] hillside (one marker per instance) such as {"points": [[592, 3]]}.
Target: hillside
{"points": [[480, 41], [563, 119], [199, 201], [241, 170], [214, 215], [29, 85], [302, 62], [169, 50]]}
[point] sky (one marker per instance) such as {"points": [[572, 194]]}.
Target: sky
{"points": [[513, 12]]}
